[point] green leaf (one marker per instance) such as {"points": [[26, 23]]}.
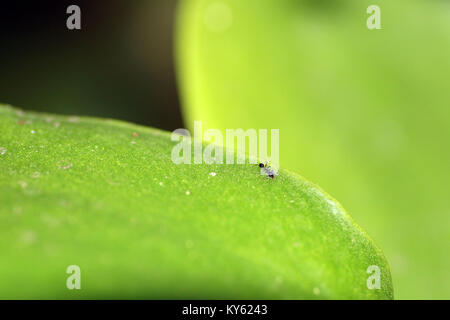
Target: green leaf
{"points": [[105, 195], [364, 113]]}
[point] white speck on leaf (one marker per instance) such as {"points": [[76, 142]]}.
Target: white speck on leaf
{"points": [[23, 184], [66, 167], [35, 175], [3, 151], [212, 174], [33, 132], [29, 237], [333, 207], [188, 192]]}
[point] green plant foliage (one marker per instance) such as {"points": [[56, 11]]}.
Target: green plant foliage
{"points": [[105, 195], [364, 113]]}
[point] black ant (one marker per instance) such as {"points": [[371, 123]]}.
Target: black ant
{"points": [[267, 169]]}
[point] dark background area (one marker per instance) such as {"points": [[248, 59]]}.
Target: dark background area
{"points": [[119, 65]]}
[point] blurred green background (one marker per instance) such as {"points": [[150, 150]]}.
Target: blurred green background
{"points": [[364, 114]]}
